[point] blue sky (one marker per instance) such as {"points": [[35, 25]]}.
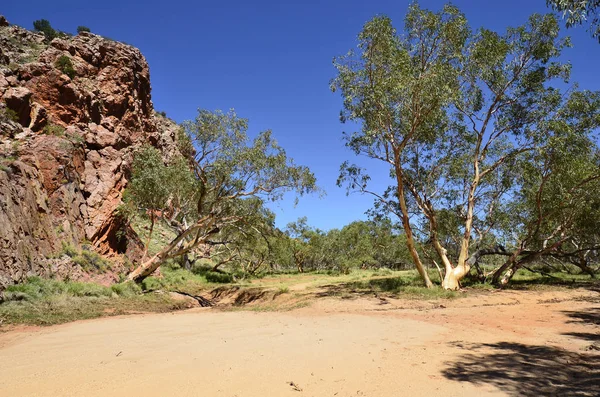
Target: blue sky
{"points": [[272, 61]]}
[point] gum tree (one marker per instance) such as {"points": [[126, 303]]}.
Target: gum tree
{"points": [[397, 87], [491, 107], [233, 176]]}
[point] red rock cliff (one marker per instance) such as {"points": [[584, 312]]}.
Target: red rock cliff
{"points": [[66, 145]]}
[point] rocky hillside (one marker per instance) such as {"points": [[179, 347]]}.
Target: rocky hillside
{"points": [[72, 112]]}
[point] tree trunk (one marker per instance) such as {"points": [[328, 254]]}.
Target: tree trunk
{"points": [[498, 273], [145, 269], [148, 267], [583, 264], [410, 243], [452, 277], [149, 235]]}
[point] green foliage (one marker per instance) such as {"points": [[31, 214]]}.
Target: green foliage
{"points": [[54, 129], [216, 189], [579, 12], [69, 249], [149, 186], [7, 114], [359, 245], [43, 26], [36, 288], [217, 277], [64, 64], [83, 29], [91, 261], [176, 280], [466, 121], [46, 301], [126, 289]]}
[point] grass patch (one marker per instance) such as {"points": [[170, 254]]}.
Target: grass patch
{"points": [[46, 302], [90, 261], [162, 234], [528, 280], [54, 129], [181, 280]]}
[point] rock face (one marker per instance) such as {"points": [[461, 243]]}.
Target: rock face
{"points": [[66, 145]]}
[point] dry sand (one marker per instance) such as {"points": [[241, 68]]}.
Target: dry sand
{"points": [[499, 344]]}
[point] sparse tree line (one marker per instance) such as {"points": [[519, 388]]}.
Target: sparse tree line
{"points": [[492, 152], [43, 26]]}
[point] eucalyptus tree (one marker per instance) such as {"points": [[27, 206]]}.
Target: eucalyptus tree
{"points": [[456, 145], [579, 12], [557, 210], [399, 87], [147, 192], [233, 176]]}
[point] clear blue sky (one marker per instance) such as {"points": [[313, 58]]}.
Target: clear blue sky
{"points": [[271, 61]]}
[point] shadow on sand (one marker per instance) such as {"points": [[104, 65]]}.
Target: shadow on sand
{"points": [[528, 370], [591, 319]]}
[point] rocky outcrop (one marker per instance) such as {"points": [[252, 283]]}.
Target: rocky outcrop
{"points": [[66, 144]]}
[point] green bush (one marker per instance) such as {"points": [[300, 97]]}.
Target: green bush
{"points": [[91, 261], [43, 26], [7, 114], [152, 284], [36, 288], [126, 289], [216, 277], [53, 129], [64, 64], [83, 29], [68, 249], [86, 289]]}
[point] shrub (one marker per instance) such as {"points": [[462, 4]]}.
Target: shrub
{"points": [[83, 29], [216, 277], [36, 288], [126, 289], [151, 284], [68, 249], [53, 129], [7, 114], [64, 64], [91, 261], [87, 289], [43, 26], [76, 139]]}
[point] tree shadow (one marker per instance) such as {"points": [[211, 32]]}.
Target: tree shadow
{"points": [[528, 284], [528, 370], [589, 317]]}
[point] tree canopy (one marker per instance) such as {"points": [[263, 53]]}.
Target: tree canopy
{"points": [[579, 12], [459, 117], [221, 194]]}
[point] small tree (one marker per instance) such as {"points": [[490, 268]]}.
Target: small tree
{"points": [[43, 26], [64, 64], [83, 29], [149, 188]]}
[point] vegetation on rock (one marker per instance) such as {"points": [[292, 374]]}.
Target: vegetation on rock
{"points": [[64, 64]]}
